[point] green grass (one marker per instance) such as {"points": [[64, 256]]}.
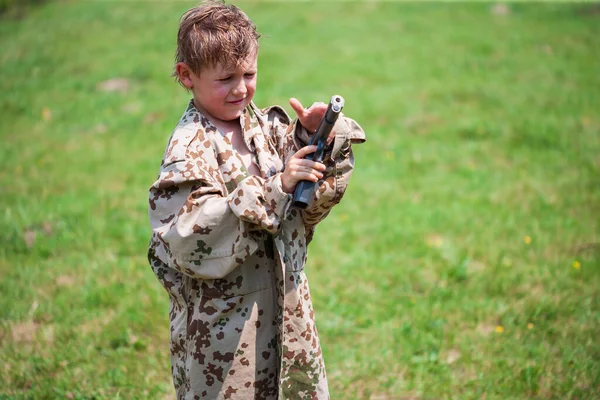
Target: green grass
{"points": [[463, 262], [14, 9]]}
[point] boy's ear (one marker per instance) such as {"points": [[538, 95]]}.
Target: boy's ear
{"points": [[184, 72]]}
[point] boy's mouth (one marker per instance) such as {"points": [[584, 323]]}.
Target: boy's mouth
{"points": [[237, 102]]}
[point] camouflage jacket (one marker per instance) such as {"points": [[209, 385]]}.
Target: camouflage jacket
{"points": [[230, 251]]}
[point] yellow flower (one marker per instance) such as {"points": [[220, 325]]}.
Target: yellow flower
{"points": [[576, 264], [499, 329], [46, 114], [434, 241], [527, 239], [530, 326]]}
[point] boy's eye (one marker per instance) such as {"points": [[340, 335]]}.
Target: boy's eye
{"points": [[250, 74], [225, 79]]}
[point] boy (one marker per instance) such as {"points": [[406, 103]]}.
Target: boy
{"points": [[226, 245]]}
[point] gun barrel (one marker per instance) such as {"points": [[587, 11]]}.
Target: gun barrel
{"points": [[337, 103], [331, 115]]}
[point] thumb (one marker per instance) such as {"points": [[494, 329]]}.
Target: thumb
{"points": [[297, 106]]}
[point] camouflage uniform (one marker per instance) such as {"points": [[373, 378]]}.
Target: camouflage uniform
{"points": [[230, 251]]}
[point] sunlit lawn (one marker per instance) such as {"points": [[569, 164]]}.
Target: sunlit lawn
{"points": [[463, 262]]}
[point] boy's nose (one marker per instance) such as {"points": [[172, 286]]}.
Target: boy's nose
{"points": [[239, 89]]}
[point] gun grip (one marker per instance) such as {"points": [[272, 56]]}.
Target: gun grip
{"points": [[303, 194]]}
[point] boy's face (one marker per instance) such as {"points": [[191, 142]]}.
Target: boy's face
{"points": [[222, 92]]}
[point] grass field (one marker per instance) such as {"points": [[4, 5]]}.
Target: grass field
{"points": [[463, 263]]}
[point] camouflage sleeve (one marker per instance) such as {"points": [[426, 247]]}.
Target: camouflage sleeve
{"points": [[202, 231], [339, 159]]}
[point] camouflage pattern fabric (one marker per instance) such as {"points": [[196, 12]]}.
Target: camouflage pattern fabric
{"points": [[230, 251]]}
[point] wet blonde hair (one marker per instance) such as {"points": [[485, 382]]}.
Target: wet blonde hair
{"points": [[214, 33]]}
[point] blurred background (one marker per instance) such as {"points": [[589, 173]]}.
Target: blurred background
{"points": [[463, 262]]}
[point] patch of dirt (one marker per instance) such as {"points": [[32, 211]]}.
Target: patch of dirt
{"points": [[500, 9], [452, 356], [31, 233], [95, 325], [65, 280], [153, 117], [24, 332], [114, 85], [485, 329]]}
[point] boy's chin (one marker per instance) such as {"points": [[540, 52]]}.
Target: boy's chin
{"points": [[233, 114]]}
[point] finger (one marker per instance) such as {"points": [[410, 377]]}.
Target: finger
{"points": [[318, 174], [297, 106], [317, 109], [316, 177], [307, 176], [304, 163], [306, 150], [310, 169], [317, 105]]}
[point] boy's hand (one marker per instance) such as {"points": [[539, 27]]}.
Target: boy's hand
{"points": [[298, 169], [311, 117]]}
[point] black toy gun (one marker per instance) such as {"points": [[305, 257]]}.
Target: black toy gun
{"points": [[305, 189]]}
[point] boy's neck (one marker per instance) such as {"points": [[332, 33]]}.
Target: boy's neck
{"points": [[225, 126], [233, 130]]}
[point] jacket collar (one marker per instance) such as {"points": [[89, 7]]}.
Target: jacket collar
{"points": [[265, 154]]}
